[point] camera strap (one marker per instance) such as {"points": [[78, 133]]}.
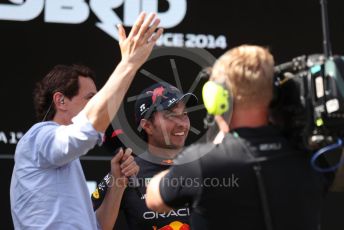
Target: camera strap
{"points": [[260, 182]]}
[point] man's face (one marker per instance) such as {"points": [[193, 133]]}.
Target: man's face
{"points": [[87, 89], [169, 128]]}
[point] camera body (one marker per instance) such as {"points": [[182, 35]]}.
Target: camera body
{"points": [[309, 100]]}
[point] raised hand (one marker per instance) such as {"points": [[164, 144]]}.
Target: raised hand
{"points": [[136, 48]]}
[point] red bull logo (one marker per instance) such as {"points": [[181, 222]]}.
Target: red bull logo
{"points": [[157, 92], [175, 225]]}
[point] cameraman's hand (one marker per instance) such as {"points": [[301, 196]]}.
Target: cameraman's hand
{"points": [[136, 48], [122, 167]]}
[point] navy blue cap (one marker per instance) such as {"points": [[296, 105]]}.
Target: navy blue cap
{"points": [[158, 97]]}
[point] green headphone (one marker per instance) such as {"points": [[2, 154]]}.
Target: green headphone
{"points": [[217, 98]]}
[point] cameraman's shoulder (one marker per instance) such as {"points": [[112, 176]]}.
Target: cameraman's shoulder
{"points": [[194, 152]]}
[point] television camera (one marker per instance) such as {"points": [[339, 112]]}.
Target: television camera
{"points": [[309, 102]]}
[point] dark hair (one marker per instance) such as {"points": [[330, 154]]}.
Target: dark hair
{"points": [[61, 78], [143, 134]]}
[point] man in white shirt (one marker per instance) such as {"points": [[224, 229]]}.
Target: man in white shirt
{"points": [[48, 187]]}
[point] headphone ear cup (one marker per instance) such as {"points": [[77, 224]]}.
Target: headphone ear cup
{"points": [[216, 98]]}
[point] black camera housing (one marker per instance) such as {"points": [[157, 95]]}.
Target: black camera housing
{"points": [[309, 100]]}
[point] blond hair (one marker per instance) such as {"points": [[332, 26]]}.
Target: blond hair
{"points": [[248, 71]]}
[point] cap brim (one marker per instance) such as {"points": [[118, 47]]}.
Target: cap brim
{"points": [[189, 99]]}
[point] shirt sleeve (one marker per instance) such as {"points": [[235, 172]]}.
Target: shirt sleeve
{"points": [[61, 145], [183, 182]]}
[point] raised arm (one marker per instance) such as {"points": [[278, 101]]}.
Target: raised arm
{"points": [[135, 50]]}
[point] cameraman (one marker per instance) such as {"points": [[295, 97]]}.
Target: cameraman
{"points": [[254, 173]]}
